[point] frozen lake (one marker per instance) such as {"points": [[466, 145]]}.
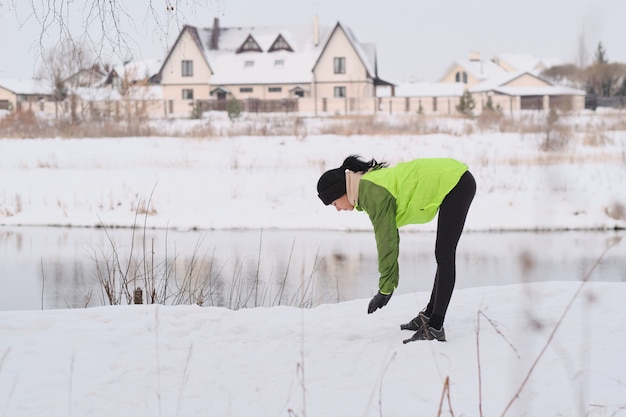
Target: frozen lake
{"points": [[50, 268]]}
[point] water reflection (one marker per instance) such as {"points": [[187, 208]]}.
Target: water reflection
{"points": [[65, 267]]}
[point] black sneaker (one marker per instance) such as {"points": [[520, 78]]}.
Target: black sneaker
{"points": [[427, 333], [416, 323]]}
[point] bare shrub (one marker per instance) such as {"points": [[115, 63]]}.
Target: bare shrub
{"points": [[199, 131], [414, 124], [488, 119], [556, 134], [299, 128], [526, 123], [18, 204], [22, 124], [596, 138]]}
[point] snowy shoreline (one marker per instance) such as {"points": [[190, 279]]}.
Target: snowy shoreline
{"points": [[269, 182]]}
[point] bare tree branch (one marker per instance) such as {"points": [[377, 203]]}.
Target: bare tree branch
{"points": [[109, 28]]}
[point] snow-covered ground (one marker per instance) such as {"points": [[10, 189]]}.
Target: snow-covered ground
{"points": [[519, 350], [270, 182]]}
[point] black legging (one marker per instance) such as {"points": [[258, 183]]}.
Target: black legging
{"points": [[452, 214]]}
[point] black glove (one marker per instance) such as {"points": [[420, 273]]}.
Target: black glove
{"points": [[379, 301]]}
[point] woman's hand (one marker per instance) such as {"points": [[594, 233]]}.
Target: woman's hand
{"points": [[379, 301]]}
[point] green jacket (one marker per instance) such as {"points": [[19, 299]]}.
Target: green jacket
{"points": [[407, 193]]}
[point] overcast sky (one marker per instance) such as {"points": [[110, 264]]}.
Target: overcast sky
{"points": [[414, 38]]}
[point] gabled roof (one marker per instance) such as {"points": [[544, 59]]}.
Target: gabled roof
{"points": [[219, 90], [280, 44], [86, 77], [25, 86], [551, 90], [526, 62], [365, 51], [249, 45], [501, 80], [499, 85], [278, 66], [481, 70], [139, 70], [291, 65], [193, 32], [366, 59]]}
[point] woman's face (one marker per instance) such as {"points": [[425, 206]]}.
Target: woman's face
{"points": [[342, 203]]}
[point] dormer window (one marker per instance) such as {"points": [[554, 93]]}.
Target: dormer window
{"points": [[249, 45], [280, 44], [461, 77]]}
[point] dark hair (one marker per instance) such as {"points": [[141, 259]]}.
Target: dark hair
{"points": [[332, 183], [356, 164]]}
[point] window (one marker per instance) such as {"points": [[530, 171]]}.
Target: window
{"points": [[340, 91], [461, 77], [249, 45], [187, 68], [245, 89], [280, 44], [279, 63], [248, 64], [275, 89], [187, 94], [339, 64]]}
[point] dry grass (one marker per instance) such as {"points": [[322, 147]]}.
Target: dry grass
{"points": [[27, 124], [556, 126]]}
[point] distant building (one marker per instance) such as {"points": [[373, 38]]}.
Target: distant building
{"points": [[320, 67], [512, 82], [141, 72], [23, 94]]}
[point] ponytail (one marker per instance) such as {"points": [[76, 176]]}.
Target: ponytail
{"points": [[355, 164]]}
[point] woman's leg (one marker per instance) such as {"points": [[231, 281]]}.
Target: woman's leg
{"points": [[452, 215]]}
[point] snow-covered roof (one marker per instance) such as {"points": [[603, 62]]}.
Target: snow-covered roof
{"points": [[278, 66], [497, 81], [366, 51], [152, 92], [526, 62], [149, 92], [481, 70], [139, 70], [96, 94], [25, 86], [540, 91], [230, 67]]}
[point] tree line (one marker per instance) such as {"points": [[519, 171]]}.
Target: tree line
{"points": [[601, 78]]}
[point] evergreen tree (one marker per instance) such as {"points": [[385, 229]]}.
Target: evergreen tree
{"points": [[234, 109], [466, 104], [600, 56]]}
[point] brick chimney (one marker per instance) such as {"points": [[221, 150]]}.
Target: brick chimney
{"points": [[215, 34], [474, 56]]}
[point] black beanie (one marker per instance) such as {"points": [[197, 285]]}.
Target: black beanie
{"points": [[332, 185]]}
